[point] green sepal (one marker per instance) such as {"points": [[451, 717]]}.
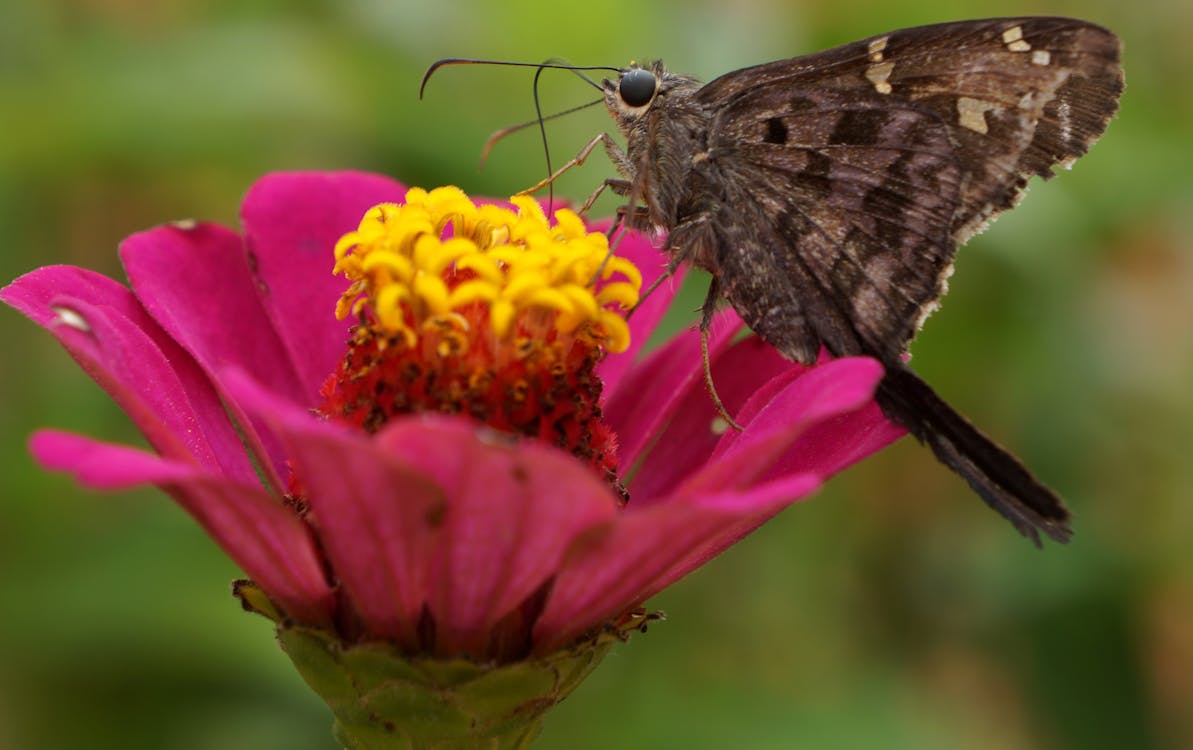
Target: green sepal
{"points": [[384, 699], [253, 599]]}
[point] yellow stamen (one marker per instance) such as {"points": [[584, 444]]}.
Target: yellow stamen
{"points": [[405, 275]]}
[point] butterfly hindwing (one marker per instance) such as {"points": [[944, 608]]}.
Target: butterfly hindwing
{"points": [[859, 207]]}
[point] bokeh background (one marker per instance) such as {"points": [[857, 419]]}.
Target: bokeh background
{"points": [[891, 611]]}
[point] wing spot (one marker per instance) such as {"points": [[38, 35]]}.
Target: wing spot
{"points": [[878, 73], [1041, 57], [1013, 38], [972, 114], [876, 47], [776, 131]]}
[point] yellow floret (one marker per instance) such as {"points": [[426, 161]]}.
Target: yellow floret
{"points": [[405, 274]]}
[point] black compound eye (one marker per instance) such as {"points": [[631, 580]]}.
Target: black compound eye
{"points": [[636, 87]]}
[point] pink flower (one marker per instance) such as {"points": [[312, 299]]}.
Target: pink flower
{"points": [[434, 532]]}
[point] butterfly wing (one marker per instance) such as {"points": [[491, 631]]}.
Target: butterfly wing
{"points": [[1018, 95], [848, 200], [873, 160]]}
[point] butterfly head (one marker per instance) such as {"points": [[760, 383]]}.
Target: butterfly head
{"points": [[638, 87], [634, 89]]}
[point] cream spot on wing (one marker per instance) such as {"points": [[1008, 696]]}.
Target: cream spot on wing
{"points": [[1013, 34], [878, 73], [972, 113], [1041, 57], [1013, 38], [876, 48]]}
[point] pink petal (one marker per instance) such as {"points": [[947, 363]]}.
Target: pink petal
{"points": [[514, 508], [378, 519], [649, 395], [166, 394], [291, 224], [265, 539], [647, 315], [196, 283], [829, 445], [644, 551], [436, 511], [829, 390], [688, 439]]}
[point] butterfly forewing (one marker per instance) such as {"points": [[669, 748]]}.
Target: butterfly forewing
{"points": [[871, 161], [1019, 95]]}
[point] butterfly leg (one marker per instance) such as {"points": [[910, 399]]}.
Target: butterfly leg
{"points": [[616, 155], [619, 186], [710, 305]]}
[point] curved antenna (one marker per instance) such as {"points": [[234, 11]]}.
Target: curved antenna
{"points": [[538, 110], [510, 130], [473, 61]]}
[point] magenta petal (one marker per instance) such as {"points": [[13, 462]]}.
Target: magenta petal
{"points": [[196, 283], [829, 445], [827, 391], [514, 508], [378, 519], [292, 222], [436, 511], [642, 552], [103, 466], [650, 393], [652, 263], [108, 333], [688, 439], [265, 539]]}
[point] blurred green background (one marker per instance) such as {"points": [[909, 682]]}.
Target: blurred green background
{"points": [[892, 611]]}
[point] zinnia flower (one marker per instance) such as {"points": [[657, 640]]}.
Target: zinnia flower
{"points": [[450, 479]]}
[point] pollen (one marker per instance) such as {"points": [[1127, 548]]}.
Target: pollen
{"points": [[490, 311]]}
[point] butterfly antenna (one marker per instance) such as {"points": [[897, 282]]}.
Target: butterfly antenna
{"points": [[501, 134], [551, 64], [556, 63], [561, 64], [538, 111]]}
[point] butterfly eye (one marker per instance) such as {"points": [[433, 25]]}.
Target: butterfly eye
{"points": [[636, 87]]}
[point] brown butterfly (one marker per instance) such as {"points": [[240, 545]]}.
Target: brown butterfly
{"points": [[827, 194]]}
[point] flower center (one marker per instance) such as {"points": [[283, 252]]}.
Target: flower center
{"points": [[485, 311]]}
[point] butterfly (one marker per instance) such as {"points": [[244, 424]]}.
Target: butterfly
{"points": [[827, 194]]}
